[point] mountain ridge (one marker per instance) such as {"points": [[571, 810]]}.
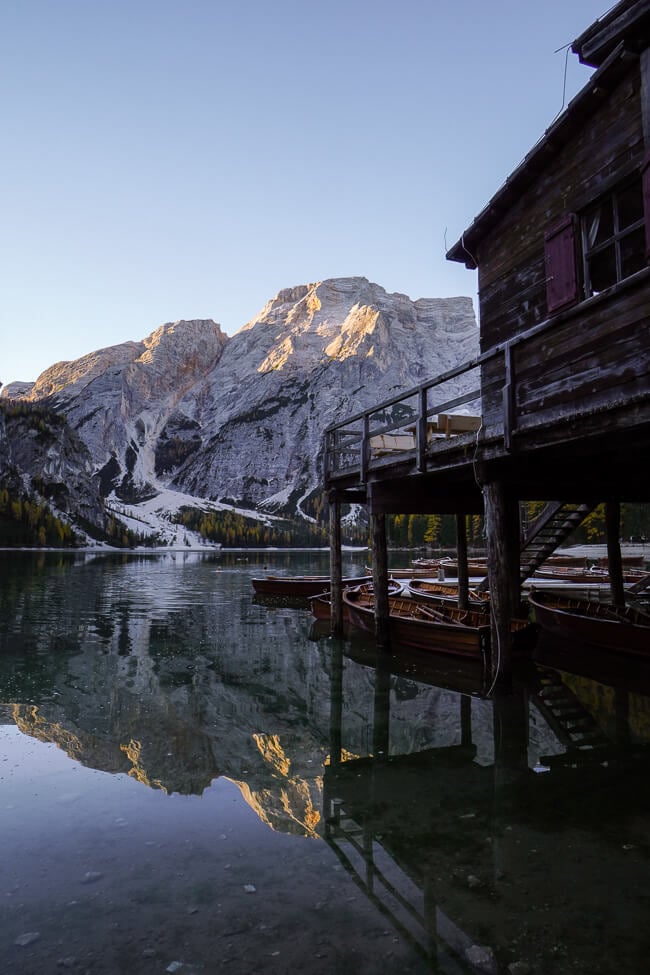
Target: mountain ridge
{"points": [[239, 419]]}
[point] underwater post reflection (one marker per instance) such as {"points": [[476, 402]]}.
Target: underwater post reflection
{"points": [[526, 854]]}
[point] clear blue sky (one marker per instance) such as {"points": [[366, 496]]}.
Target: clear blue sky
{"points": [[166, 160]]}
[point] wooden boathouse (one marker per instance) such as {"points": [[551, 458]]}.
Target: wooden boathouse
{"points": [[556, 406]]}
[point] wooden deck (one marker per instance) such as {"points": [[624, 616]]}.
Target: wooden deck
{"points": [[552, 425]]}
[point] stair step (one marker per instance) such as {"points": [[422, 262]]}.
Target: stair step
{"points": [[589, 739], [559, 520], [553, 692]]}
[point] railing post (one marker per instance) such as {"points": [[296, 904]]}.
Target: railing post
{"points": [[365, 449], [508, 398], [339, 447], [327, 463], [421, 428]]}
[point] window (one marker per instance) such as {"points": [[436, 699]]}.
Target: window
{"points": [[613, 238], [589, 252]]}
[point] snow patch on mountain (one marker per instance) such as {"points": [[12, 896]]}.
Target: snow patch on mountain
{"points": [[238, 422], [153, 517]]}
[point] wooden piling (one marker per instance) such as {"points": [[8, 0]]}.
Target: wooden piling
{"points": [[461, 559], [336, 567], [502, 527], [380, 577], [614, 558]]}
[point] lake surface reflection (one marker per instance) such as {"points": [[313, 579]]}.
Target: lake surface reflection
{"points": [[194, 781]]}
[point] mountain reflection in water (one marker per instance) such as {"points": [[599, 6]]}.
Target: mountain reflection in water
{"points": [[193, 781]]}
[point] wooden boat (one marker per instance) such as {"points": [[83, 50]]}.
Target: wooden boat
{"points": [[581, 561], [447, 592], [428, 565], [598, 624], [300, 586], [402, 573], [571, 573], [321, 605], [415, 624], [630, 561], [449, 566], [423, 626], [594, 574], [585, 561]]}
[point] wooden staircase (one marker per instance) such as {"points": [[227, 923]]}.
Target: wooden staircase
{"points": [[554, 525], [573, 725]]}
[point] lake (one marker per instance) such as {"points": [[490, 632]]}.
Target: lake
{"points": [[193, 780]]}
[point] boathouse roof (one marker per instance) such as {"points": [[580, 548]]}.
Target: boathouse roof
{"points": [[628, 20], [608, 45]]}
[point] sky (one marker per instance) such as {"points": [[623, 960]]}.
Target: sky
{"points": [[165, 160]]}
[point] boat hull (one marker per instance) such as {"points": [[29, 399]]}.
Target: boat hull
{"points": [[597, 624], [321, 604], [416, 630], [594, 575], [303, 587], [446, 593]]}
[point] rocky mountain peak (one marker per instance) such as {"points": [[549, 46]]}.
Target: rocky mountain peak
{"points": [[241, 419]]}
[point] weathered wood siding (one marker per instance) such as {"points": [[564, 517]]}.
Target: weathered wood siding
{"points": [[596, 360], [606, 146]]}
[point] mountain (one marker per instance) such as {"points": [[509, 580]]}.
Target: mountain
{"points": [[41, 455], [239, 420]]}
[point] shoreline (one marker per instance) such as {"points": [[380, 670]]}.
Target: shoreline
{"points": [[596, 550]]}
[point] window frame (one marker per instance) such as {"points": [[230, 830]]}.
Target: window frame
{"points": [[617, 236], [566, 253]]}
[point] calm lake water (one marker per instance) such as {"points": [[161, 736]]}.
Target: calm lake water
{"points": [[194, 781]]}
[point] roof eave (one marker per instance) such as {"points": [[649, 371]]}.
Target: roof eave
{"points": [[553, 140], [629, 20]]}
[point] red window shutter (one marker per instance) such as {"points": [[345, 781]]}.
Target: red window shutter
{"points": [[645, 182], [561, 266]]}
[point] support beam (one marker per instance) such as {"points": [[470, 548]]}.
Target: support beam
{"points": [[380, 578], [502, 527], [416, 495], [614, 559], [336, 568], [461, 559]]}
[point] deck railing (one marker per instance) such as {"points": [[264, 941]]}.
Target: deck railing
{"points": [[485, 387], [438, 409]]}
